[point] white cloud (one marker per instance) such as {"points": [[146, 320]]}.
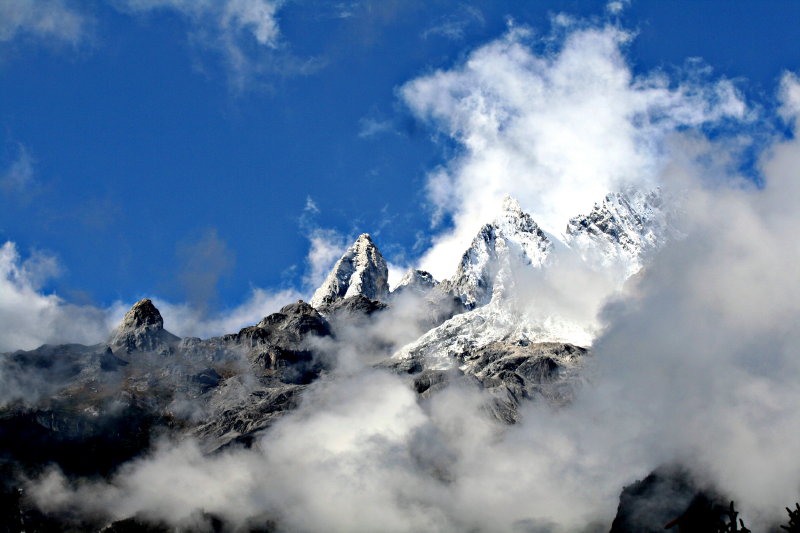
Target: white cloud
{"points": [[396, 273], [243, 32], [697, 364], [311, 206], [186, 320], [53, 20], [615, 7], [370, 127], [790, 96], [31, 318], [454, 26], [557, 129], [326, 246], [19, 175]]}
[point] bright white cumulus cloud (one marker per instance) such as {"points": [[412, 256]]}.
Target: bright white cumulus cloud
{"points": [[557, 122]]}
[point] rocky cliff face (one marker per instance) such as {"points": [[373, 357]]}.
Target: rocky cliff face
{"points": [[361, 270], [142, 329], [513, 238], [623, 228]]}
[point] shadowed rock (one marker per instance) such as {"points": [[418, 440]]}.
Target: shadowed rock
{"points": [[142, 329]]}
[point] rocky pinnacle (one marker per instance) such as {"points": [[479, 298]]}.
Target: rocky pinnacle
{"points": [[361, 270]]}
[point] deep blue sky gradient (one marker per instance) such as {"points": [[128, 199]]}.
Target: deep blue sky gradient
{"points": [[142, 146]]}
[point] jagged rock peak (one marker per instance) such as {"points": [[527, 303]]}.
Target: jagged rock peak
{"points": [[142, 329], [512, 236], [512, 220], [361, 270], [294, 310], [418, 281], [632, 220], [511, 205], [142, 314]]}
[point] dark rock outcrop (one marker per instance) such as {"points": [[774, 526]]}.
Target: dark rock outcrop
{"points": [[668, 496]]}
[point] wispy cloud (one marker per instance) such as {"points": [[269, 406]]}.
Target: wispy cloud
{"points": [[19, 176], [202, 263], [615, 7], [54, 21], [454, 26], [311, 206], [371, 127], [245, 34], [31, 317]]}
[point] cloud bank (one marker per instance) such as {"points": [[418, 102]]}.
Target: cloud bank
{"points": [[32, 317], [557, 122], [697, 364]]}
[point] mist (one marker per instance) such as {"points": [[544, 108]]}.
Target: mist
{"points": [[693, 359]]}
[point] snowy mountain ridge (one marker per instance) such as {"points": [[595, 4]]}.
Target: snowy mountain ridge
{"points": [[614, 238], [623, 228]]}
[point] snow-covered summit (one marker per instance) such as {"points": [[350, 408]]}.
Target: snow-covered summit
{"points": [[361, 270], [513, 237], [512, 256], [623, 228], [417, 281]]}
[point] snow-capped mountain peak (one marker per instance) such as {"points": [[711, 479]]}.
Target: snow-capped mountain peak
{"points": [[417, 281], [622, 228], [512, 237], [362, 270]]}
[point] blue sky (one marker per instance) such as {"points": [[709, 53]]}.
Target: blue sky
{"points": [[156, 147]]}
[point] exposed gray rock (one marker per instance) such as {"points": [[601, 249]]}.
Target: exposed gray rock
{"points": [[361, 270], [240, 411], [419, 282], [513, 237], [353, 307], [511, 372], [669, 495], [142, 329]]}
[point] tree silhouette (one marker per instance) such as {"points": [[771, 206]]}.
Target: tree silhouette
{"points": [[732, 526], [794, 519]]}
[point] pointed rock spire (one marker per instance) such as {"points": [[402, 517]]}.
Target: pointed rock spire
{"points": [[512, 236], [361, 270], [142, 329], [143, 314]]}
